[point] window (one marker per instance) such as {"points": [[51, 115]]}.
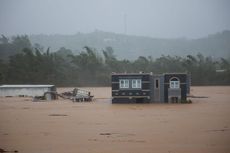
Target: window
{"points": [[174, 83], [124, 83], [136, 83]]}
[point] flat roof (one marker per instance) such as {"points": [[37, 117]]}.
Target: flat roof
{"points": [[25, 86], [143, 73], [130, 73]]}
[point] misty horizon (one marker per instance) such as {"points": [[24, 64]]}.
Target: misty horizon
{"points": [[116, 33], [156, 19]]}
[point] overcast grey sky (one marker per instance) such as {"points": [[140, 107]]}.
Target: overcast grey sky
{"points": [[155, 18]]}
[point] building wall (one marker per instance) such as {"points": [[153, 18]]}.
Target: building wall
{"points": [[188, 83], [130, 94], [23, 91], [183, 85]]}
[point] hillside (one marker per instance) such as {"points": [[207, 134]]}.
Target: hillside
{"points": [[128, 46]]}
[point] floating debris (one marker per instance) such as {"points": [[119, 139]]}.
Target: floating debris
{"points": [[58, 115], [3, 151], [192, 96], [105, 133]]}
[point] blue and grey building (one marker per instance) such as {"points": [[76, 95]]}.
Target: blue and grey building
{"points": [[149, 87]]}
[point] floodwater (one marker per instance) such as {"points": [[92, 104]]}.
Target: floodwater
{"points": [[62, 126]]}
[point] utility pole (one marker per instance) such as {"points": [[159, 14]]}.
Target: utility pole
{"points": [[125, 24]]}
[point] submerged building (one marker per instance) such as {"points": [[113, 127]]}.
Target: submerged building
{"points": [[28, 90], [148, 87]]}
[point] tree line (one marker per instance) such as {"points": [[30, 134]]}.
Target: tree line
{"points": [[23, 63]]}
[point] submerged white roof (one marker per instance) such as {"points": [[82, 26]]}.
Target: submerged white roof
{"points": [[26, 86]]}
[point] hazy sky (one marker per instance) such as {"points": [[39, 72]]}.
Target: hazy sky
{"points": [[155, 18]]}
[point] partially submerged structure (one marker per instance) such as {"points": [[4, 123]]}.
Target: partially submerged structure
{"points": [[44, 92], [28, 90], [148, 87], [77, 95]]}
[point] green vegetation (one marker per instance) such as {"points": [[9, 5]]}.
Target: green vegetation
{"points": [[22, 63], [188, 101]]}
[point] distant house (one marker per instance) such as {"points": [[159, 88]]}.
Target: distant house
{"points": [[27, 90], [148, 87]]}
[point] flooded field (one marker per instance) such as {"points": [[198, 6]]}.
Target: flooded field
{"points": [[62, 126]]}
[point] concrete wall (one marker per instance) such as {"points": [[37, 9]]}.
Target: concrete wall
{"points": [[24, 91]]}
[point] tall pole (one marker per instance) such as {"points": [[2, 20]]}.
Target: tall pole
{"points": [[125, 24]]}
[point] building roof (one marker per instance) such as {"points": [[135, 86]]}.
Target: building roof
{"points": [[130, 73], [26, 86], [143, 73]]}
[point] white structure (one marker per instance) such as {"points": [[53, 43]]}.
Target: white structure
{"points": [[26, 90]]}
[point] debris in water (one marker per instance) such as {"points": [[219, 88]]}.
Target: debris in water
{"points": [[58, 115], [105, 133], [3, 151]]}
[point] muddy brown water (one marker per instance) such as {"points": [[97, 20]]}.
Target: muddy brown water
{"points": [[101, 127]]}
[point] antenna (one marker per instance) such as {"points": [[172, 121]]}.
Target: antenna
{"points": [[125, 23]]}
